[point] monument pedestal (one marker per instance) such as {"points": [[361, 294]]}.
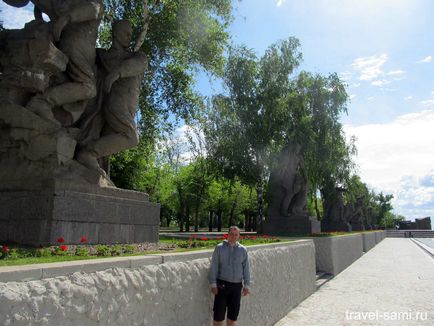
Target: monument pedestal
{"points": [[331, 226], [104, 215], [357, 227], [292, 225]]}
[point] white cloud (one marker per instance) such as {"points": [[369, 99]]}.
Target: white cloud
{"points": [[389, 89], [352, 96], [345, 75], [396, 73], [380, 82], [425, 60], [408, 98], [370, 98], [396, 158], [14, 18], [427, 102], [370, 67], [280, 2], [415, 198], [356, 85]]}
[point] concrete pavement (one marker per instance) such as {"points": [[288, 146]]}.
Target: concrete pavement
{"points": [[392, 284]]}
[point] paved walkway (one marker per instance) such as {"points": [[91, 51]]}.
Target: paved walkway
{"points": [[392, 284]]}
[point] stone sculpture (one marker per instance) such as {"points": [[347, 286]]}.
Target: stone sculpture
{"points": [[121, 76], [63, 105], [336, 212], [287, 186], [341, 216], [356, 215], [287, 191]]}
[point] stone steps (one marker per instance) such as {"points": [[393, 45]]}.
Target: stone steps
{"points": [[410, 233]]}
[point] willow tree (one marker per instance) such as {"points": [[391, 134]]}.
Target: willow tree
{"points": [[245, 124]]}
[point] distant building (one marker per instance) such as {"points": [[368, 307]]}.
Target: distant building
{"points": [[423, 223], [418, 224]]}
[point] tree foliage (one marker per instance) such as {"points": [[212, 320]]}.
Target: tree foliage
{"points": [[245, 125], [183, 38]]}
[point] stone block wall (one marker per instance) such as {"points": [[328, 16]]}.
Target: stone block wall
{"points": [[379, 236], [369, 240], [174, 292], [334, 254], [104, 215]]}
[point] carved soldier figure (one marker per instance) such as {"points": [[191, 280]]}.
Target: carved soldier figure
{"points": [[287, 186], [122, 72], [75, 28]]}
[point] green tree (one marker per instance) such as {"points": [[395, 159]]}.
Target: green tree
{"points": [[183, 38], [245, 126], [318, 103], [390, 220], [384, 206]]}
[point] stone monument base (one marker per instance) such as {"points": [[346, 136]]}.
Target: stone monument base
{"points": [[357, 227], [293, 225], [329, 226], [104, 215]]}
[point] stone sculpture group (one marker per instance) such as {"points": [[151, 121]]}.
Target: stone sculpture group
{"points": [[66, 104]]}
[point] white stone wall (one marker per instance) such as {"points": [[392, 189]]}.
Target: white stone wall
{"points": [[172, 293]]}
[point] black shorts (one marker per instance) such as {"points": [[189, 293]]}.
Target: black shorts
{"points": [[228, 296]]}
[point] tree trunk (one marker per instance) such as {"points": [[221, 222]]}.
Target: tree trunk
{"points": [[259, 193], [231, 214], [181, 221], [252, 223], [234, 206], [246, 221], [211, 213], [187, 218], [196, 212], [181, 209], [168, 219], [219, 220], [196, 218]]}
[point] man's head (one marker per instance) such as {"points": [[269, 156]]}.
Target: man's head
{"points": [[122, 32], [233, 234]]}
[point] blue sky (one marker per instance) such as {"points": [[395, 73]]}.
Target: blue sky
{"points": [[384, 51]]}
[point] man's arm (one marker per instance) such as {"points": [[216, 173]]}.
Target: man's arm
{"points": [[246, 273], [213, 272]]}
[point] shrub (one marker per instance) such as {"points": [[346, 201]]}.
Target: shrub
{"points": [[43, 252], [81, 251], [102, 250]]}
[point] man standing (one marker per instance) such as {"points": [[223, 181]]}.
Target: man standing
{"points": [[229, 269]]}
